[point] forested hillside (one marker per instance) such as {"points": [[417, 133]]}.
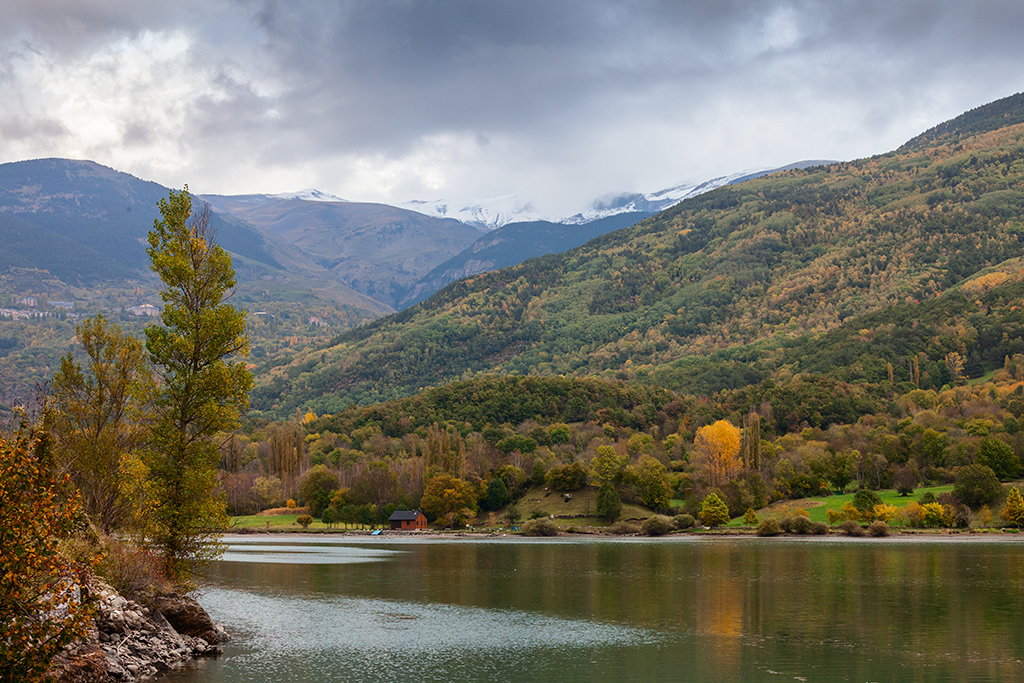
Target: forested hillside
{"points": [[901, 259]]}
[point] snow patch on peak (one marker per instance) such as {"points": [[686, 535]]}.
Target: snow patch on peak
{"points": [[652, 202], [309, 195], [488, 214]]}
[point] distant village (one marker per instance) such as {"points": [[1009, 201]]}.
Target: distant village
{"points": [[29, 308]]}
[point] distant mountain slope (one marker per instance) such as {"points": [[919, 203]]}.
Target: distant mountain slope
{"points": [[718, 287], [376, 249], [511, 244], [103, 209], [87, 224], [28, 245]]}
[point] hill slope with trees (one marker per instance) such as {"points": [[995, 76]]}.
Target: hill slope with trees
{"points": [[729, 288]]}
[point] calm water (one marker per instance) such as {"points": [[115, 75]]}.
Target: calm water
{"points": [[617, 610]]}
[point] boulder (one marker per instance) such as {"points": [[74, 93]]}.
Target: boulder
{"points": [[188, 618]]}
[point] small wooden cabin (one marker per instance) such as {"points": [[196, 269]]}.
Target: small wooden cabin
{"points": [[407, 520]]}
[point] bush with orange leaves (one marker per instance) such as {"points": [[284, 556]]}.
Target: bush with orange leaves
{"points": [[42, 605]]}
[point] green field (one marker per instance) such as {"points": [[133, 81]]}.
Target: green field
{"points": [[283, 523], [818, 507]]}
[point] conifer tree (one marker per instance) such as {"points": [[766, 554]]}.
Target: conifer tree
{"points": [[1014, 510], [713, 511]]}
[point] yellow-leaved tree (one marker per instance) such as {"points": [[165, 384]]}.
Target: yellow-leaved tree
{"points": [[716, 447]]}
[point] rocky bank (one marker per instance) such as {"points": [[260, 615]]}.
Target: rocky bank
{"points": [[132, 642]]}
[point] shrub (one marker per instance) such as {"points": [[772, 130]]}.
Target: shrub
{"points": [[540, 527], [865, 500], [798, 525], [849, 511], [878, 529], [851, 528], [290, 503], [913, 514], [656, 525], [834, 516], [624, 529], [136, 573], [885, 513], [513, 514], [926, 497], [684, 522], [304, 520], [819, 528], [750, 518], [769, 527], [38, 617], [935, 515], [958, 515], [976, 485], [713, 511], [985, 516]]}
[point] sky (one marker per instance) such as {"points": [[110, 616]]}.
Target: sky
{"points": [[558, 102]]}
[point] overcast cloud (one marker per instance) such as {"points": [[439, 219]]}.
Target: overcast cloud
{"points": [[556, 102]]}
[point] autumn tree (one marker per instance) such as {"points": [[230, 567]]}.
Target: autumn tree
{"points": [[376, 484], [40, 606], [98, 420], [318, 485], [716, 447], [648, 476], [449, 498], [287, 441], [204, 382], [266, 491], [608, 466]]}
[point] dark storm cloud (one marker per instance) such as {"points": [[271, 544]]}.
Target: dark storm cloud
{"points": [[641, 92], [381, 74]]}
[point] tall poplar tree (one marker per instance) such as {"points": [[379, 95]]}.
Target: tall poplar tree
{"points": [[204, 382]]}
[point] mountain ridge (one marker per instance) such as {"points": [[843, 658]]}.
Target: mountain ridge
{"points": [[720, 283]]}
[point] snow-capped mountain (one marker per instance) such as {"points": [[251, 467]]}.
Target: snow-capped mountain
{"points": [[482, 213], [652, 202], [309, 195], [496, 212]]}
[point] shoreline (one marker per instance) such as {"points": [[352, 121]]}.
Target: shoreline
{"points": [[129, 641], [962, 535]]}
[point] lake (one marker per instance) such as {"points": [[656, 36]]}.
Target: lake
{"points": [[306, 608]]}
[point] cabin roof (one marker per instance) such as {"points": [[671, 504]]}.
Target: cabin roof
{"points": [[404, 515]]}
